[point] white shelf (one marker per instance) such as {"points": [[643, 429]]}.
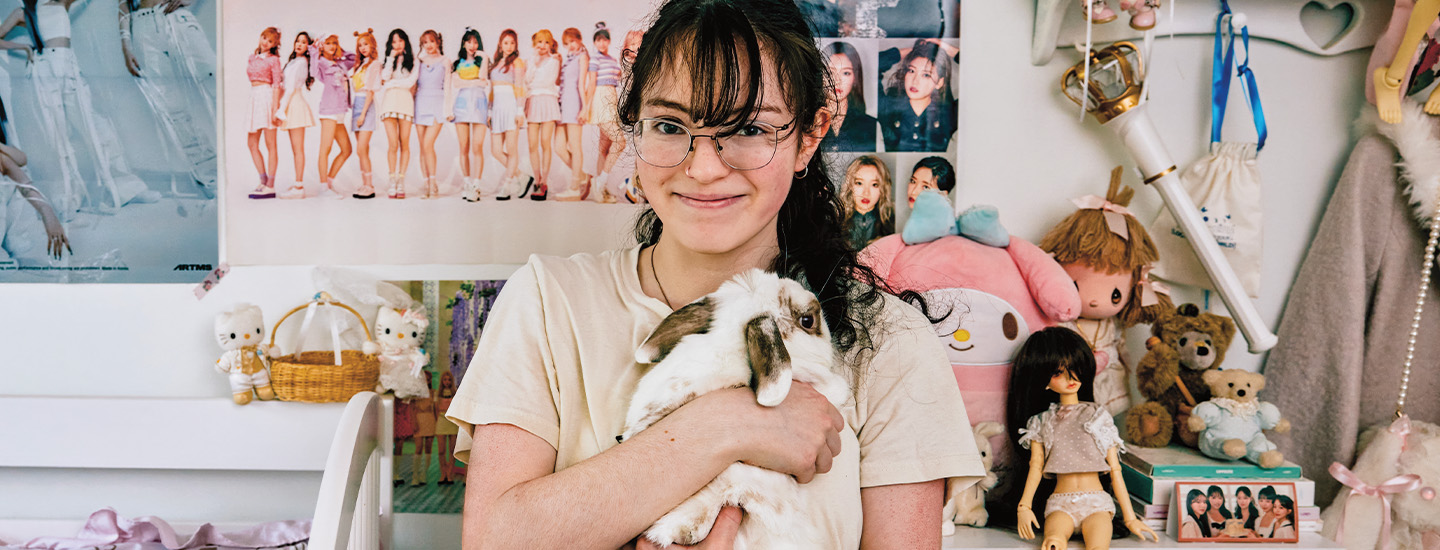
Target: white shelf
{"points": [[971, 538]]}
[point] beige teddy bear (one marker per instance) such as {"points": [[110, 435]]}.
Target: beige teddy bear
{"points": [[1231, 422]]}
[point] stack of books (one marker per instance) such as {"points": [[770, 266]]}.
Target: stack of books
{"points": [[1150, 476]]}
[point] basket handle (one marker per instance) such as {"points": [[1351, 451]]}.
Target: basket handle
{"points": [[322, 302]]}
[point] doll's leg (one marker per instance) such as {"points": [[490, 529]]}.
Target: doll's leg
{"points": [[263, 390], [1059, 526], [1261, 451], [1096, 529]]}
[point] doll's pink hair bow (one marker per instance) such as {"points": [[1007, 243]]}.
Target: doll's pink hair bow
{"points": [[1383, 491], [1114, 213], [415, 316], [1150, 289]]}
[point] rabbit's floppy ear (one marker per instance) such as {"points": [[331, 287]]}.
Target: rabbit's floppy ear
{"points": [[769, 361], [694, 318]]}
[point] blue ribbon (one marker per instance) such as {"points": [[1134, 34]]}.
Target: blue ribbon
{"points": [[1220, 77]]}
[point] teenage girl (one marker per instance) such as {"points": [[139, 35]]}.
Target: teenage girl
{"points": [[601, 95], [329, 63], [507, 73], [266, 78], [542, 109], [574, 113], [430, 104], [467, 105], [365, 83], [397, 107], [295, 114]]}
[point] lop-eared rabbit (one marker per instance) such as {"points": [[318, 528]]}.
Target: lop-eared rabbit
{"points": [[757, 330]]}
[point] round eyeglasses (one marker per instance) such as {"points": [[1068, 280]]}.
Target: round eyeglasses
{"points": [[666, 144]]}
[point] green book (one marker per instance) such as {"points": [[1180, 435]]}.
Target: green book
{"points": [[1177, 461], [1160, 490]]}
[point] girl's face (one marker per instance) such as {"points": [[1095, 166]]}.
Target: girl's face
{"points": [[1102, 295], [302, 44], [573, 45], [330, 48], [920, 79], [842, 73], [602, 45], [1064, 383], [1279, 510], [428, 44], [1242, 500], [1264, 504], [920, 180], [507, 45], [706, 206], [365, 49], [266, 43], [1199, 506], [397, 44], [471, 46], [865, 189], [1217, 501], [542, 48]]}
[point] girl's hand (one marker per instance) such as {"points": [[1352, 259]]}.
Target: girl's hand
{"points": [[450, 118], [721, 537], [56, 242], [582, 118], [799, 437]]}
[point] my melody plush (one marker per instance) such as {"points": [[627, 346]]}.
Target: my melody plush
{"points": [[985, 291], [398, 336], [1185, 345], [1399, 463], [739, 335], [241, 333], [966, 505], [1230, 424]]}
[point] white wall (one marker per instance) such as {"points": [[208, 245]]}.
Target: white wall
{"points": [[1023, 150]]}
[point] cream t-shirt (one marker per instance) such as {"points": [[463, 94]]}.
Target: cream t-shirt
{"points": [[556, 359]]}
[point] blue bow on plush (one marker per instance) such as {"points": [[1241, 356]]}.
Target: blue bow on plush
{"points": [[930, 220]]}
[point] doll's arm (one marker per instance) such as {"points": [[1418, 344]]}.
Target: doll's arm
{"points": [[1270, 418], [1117, 482], [1388, 79], [1025, 517], [1205, 416], [226, 361]]}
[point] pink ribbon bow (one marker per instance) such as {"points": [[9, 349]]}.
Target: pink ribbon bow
{"points": [[1114, 213], [1395, 485], [1150, 290], [415, 316]]}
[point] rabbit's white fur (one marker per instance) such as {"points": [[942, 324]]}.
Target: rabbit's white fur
{"points": [[739, 335]]}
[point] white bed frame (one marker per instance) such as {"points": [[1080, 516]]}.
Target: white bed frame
{"points": [[349, 443]]}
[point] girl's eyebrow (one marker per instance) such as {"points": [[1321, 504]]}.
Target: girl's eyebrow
{"points": [[677, 106]]}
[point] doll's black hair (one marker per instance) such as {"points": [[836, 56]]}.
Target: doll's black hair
{"points": [[1212, 491], [1050, 351], [1201, 521], [479, 48], [405, 59], [309, 41], [1253, 511]]}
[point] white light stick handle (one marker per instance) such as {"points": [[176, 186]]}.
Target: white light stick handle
{"points": [[1143, 141]]}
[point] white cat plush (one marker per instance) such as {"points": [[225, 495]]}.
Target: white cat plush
{"points": [[241, 332], [398, 335]]}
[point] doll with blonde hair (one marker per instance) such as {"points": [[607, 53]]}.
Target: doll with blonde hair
{"points": [[1109, 254]]}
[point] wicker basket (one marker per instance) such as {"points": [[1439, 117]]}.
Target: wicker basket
{"points": [[313, 376]]}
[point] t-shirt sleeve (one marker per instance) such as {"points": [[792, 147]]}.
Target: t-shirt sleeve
{"points": [[511, 378], [913, 426]]}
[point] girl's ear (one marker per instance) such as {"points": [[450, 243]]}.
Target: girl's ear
{"points": [[809, 143]]}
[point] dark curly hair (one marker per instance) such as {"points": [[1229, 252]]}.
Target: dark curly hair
{"points": [[719, 39]]}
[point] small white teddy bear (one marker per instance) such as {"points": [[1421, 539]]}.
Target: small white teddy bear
{"points": [[398, 335], [241, 332], [965, 504]]}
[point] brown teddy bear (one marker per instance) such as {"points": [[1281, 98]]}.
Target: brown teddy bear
{"points": [[1230, 424], [1184, 346]]}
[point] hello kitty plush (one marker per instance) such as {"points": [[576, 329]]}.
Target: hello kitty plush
{"points": [[241, 332], [398, 335]]}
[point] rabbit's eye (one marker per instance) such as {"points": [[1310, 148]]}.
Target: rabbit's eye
{"points": [[807, 321]]}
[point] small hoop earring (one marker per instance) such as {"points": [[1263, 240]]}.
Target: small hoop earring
{"points": [[803, 173]]}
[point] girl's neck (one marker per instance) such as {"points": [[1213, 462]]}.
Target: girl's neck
{"points": [[683, 275], [919, 105], [1069, 398]]}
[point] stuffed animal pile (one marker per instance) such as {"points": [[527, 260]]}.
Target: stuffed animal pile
{"points": [[1184, 346]]}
